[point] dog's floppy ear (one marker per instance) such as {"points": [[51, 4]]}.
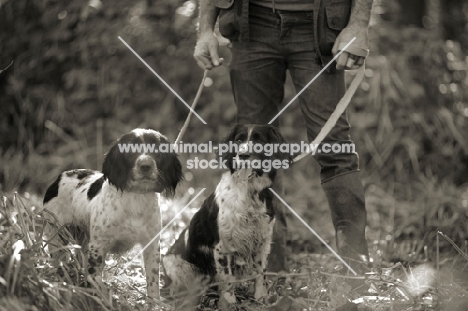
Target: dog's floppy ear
{"points": [[230, 137], [167, 163], [278, 138], [116, 167], [230, 154], [232, 134], [275, 135], [171, 172]]}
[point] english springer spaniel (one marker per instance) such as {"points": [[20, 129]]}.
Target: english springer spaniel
{"points": [[118, 207], [228, 239]]}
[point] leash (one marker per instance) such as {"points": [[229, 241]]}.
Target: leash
{"points": [[340, 108], [194, 104]]}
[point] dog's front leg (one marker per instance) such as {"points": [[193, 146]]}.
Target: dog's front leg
{"points": [[225, 277], [152, 258], [96, 260], [261, 261]]}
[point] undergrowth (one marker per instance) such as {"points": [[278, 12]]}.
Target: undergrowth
{"points": [[403, 277]]}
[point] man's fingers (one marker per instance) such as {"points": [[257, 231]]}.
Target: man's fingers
{"points": [[360, 61], [221, 60], [206, 53], [214, 54], [356, 62], [341, 61], [202, 57], [203, 65], [203, 62], [350, 62], [347, 61]]}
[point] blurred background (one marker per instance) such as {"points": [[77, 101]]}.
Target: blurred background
{"points": [[74, 88]]}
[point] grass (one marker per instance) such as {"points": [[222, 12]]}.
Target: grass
{"points": [[409, 274]]}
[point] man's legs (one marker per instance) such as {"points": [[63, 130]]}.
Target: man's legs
{"points": [[258, 88], [257, 79], [258, 74], [285, 41], [339, 171]]}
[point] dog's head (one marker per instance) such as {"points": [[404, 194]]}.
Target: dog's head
{"points": [[258, 150], [135, 164]]}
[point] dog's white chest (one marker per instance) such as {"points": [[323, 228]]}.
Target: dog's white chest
{"points": [[127, 216], [243, 223]]}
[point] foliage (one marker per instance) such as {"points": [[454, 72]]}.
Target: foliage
{"points": [[416, 120], [409, 121], [74, 87], [72, 78], [31, 280]]}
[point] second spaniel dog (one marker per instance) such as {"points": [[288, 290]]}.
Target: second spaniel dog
{"points": [[229, 238], [118, 207]]}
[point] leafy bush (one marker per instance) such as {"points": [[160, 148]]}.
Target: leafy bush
{"points": [[75, 86]]}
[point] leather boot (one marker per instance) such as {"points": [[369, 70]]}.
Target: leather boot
{"points": [[345, 195]]}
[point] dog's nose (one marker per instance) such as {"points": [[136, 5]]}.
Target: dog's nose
{"points": [[145, 167], [244, 156], [243, 153], [145, 164]]}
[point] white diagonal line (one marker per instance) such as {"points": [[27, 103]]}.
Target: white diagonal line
{"points": [[165, 227], [313, 231], [161, 79], [311, 81]]}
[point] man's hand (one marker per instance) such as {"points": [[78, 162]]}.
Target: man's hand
{"points": [[356, 53], [206, 51]]}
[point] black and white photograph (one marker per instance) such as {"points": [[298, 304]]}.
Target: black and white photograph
{"points": [[233, 155]]}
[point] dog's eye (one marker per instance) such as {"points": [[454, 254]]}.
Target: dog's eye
{"points": [[239, 139], [258, 138]]}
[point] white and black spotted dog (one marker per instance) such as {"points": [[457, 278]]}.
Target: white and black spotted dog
{"points": [[229, 238], [118, 207]]}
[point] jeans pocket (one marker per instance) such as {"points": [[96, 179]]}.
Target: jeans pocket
{"points": [[224, 4], [336, 18], [228, 20], [337, 14]]}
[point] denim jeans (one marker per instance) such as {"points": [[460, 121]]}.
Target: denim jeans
{"points": [[280, 41]]}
